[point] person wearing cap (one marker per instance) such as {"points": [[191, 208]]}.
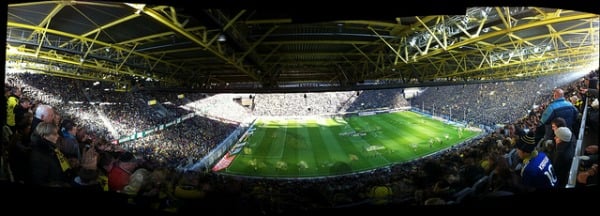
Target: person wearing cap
{"points": [[43, 113], [536, 171], [562, 157]]}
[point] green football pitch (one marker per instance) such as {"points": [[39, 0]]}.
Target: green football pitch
{"points": [[313, 147]]}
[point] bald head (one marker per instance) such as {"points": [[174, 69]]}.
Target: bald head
{"points": [[558, 93]]}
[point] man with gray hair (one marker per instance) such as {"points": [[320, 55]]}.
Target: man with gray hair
{"points": [[48, 164]]}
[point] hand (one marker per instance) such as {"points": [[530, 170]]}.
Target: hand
{"points": [[583, 90], [89, 159], [73, 162], [592, 149], [582, 177]]}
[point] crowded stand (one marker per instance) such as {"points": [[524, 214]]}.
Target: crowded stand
{"points": [[300, 104], [143, 169]]}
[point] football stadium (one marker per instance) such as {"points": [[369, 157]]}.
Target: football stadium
{"points": [[156, 108]]}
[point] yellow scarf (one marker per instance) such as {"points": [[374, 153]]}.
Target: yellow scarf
{"points": [[103, 179], [533, 154], [64, 164]]}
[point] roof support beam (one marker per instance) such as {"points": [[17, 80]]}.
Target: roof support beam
{"points": [[158, 17], [46, 20], [85, 39], [256, 43], [398, 55], [506, 31]]}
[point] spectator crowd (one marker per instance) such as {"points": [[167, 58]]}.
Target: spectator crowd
{"points": [[63, 132]]}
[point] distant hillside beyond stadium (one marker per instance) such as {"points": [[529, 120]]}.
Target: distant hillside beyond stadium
{"points": [[323, 146]]}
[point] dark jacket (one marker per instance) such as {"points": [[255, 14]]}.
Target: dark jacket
{"points": [[561, 158], [45, 166]]}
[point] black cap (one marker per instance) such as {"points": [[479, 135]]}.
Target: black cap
{"points": [[527, 143]]}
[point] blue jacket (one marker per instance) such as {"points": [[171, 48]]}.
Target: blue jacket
{"points": [[560, 108]]}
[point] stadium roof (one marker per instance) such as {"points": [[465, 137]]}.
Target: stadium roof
{"points": [[249, 49]]}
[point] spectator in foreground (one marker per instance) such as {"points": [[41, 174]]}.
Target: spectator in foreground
{"points": [[559, 107], [48, 164], [536, 171], [563, 155]]}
